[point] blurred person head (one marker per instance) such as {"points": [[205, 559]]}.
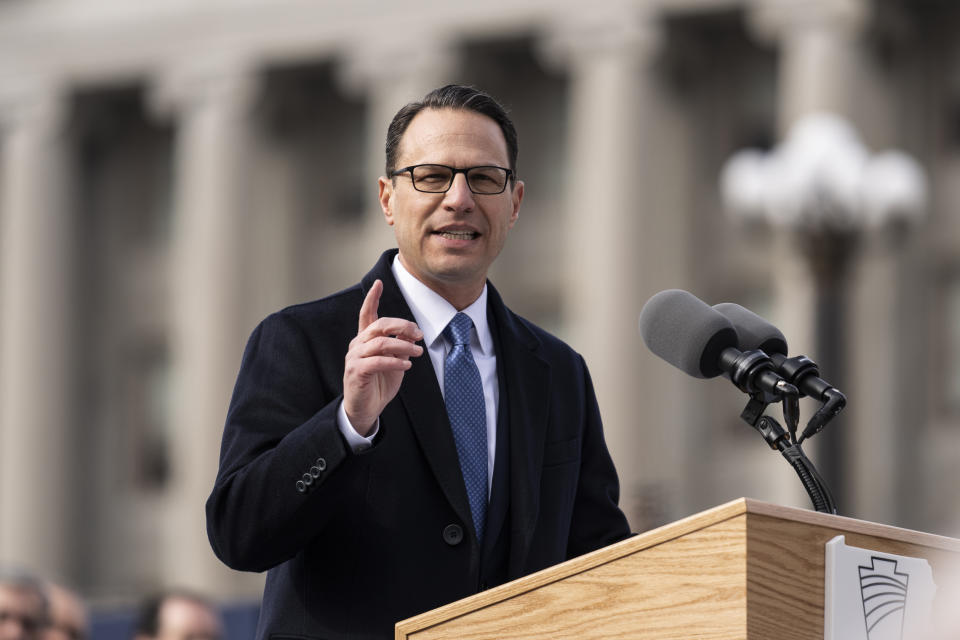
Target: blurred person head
{"points": [[67, 615], [178, 615], [23, 607]]}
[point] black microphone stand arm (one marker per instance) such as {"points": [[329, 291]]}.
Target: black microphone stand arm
{"points": [[752, 372], [804, 373]]}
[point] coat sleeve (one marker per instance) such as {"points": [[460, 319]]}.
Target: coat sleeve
{"points": [[597, 520], [282, 457]]}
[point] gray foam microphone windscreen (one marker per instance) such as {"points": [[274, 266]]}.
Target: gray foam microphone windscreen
{"points": [[753, 331], [686, 332]]}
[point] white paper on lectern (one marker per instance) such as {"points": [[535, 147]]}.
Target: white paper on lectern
{"points": [[870, 595]]}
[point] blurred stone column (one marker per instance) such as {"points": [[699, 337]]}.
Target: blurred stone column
{"points": [[211, 107], [885, 459], [36, 311], [821, 69], [608, 54], [820, 54], [389, 73]]}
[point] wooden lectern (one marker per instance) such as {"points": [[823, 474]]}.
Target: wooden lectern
{"points": [[746, 569]]}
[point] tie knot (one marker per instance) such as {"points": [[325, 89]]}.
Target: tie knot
{"points": [[458, 331]]}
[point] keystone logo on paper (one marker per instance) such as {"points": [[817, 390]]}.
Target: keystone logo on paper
{"points": [[875, 596], [884, 593]]}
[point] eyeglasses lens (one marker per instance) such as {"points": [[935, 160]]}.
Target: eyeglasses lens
{"points": [[434, 178]]}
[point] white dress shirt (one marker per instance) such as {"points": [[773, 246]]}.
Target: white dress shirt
{"points": [[432, 314]]}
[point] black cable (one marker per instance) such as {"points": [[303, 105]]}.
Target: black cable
{"points": [[795, 457], [812, 481], [825, 490]]}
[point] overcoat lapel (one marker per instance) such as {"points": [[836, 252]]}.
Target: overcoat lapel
{"points": [[527, 378], [421, 398], [528, 384]]}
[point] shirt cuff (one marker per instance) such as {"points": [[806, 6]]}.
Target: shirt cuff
{"points": [[356, 441]]}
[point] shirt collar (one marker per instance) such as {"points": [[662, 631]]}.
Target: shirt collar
{"points": [[433, 313]]}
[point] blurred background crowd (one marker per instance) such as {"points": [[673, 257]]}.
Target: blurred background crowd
{"points": [[172, 172], [31, 609]]}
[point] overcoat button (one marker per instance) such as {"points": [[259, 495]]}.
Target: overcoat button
{"points": [[321, 464], [453, 534], [307, 479], [315, 472], [301, 486]]}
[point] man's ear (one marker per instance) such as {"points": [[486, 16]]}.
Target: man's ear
{"points": [[386, 194], [517, 196]]}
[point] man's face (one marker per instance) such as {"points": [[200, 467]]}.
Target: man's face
{"points": [[21, 614], [186, 619], [449, 240], [68, 616]]}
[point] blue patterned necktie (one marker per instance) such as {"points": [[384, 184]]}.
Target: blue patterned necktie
{"points": [[463, 395]]}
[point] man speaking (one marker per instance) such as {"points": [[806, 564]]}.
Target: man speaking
{"points": [[411, 441]]}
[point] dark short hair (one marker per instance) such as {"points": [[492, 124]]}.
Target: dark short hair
{"points": [[23, 581], [148, 616], [27, 583], [452, 96]]}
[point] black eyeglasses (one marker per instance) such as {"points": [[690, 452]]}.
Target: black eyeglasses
{"points": [[438, 178], [28, 623]]}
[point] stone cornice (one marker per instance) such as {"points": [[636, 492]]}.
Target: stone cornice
{"points": [[771, 20], [105, 41], [91, 40]]}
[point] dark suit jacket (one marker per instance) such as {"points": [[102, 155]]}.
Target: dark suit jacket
{"points": [[368, 539]]}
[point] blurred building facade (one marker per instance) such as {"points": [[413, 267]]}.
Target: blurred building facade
{"points": [[172, 172]]}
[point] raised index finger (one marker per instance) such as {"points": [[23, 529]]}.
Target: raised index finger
{"points": [[391, 327], [368, 311]]}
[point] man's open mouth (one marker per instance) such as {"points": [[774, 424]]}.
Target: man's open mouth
{"points": [[458, 235]]}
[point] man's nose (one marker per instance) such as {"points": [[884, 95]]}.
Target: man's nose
{"points": [[459, 196]]}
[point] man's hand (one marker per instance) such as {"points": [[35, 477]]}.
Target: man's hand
{"points": [[375, 362]]}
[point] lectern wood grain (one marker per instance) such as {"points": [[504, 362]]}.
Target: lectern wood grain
{"points": [[742, 570]]}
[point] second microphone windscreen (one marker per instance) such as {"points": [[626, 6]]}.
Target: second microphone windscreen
{"points": [[753, 332], [686, 332]]}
